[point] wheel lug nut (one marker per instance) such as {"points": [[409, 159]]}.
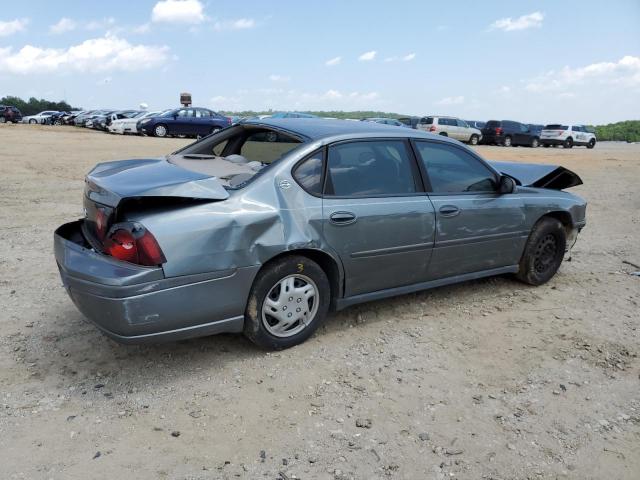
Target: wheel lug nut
{"points": [[299, 300], [298, 309], [289, 314], [291, 299], [284, 308]]}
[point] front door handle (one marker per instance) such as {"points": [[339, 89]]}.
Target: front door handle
{"points": [[449, 210], [342, 218]]}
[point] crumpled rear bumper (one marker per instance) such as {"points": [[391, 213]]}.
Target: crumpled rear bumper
{"points": [[136, 304]]}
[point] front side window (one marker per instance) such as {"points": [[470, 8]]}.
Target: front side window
{"points": [[462, 123], [376, 168], [452, 170], [309, 173]]}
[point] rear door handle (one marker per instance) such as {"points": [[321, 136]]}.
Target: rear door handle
{"points": [[342, 218], [449, 210]]}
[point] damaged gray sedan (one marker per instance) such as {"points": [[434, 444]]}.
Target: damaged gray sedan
{"points": [[264, 227]]}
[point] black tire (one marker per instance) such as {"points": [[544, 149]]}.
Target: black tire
{"points": [[568, 143], [474, 140], [591, 144], [507, 142], [543, 252], [266, 281], [32, 121], [535, 143], [546, 145]]}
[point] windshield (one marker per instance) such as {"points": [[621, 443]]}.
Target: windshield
{"points": [[236, 154]]}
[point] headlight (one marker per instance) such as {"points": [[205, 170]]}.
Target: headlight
{"points": [[146, 120]]}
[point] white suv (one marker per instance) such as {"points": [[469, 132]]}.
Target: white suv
{"points": [[450, 127], [567, 136]]}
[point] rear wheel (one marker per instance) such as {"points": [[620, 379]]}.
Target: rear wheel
{"points": [[160, 131], [535, 143], [507, 141], [32, 121], [289, 300], [592, 143], [543, 252], [568, 143], [473, 140]]}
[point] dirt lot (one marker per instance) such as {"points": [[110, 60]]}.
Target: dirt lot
{"points": [[489, 379]]}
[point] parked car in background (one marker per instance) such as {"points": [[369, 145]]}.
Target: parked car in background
{"points": [[385, 121], [235, 233], [567, 136], [510, 134], [291, 115], [39, 117], [476, 124], [120, 115], [450, 127], [129, 125], [411, 122], [70, 117], [190, 122], [9, 114]]}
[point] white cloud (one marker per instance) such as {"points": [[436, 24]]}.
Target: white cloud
{"points": [[408, 57], [333, 61], [239, 24], [625, 73], [367, 56], [459, 100], [100, 24], [13, 26], [532, 20], [64, 25], [279, 78], [108, 53], [178, 11], [143, 28]]}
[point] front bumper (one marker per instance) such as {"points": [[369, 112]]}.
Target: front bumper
{"points": [[135, 304]]}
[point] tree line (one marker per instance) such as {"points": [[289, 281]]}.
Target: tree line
{"points": [[627, 131], [34, 105]]}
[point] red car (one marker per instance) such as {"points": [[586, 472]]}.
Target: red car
{"points": [[9, 114]]}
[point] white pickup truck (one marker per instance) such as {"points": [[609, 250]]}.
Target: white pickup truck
{"points": [[567, 136]]}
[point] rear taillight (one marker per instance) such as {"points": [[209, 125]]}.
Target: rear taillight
{"points": [[432, 128], [131, 242], [498, 131]]}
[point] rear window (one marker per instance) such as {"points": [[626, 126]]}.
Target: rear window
{"points": [[492, 124], [556, 126]]}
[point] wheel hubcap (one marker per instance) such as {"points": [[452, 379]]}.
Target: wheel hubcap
{"points": [[290, 306], [161, 131], [545, 254]]}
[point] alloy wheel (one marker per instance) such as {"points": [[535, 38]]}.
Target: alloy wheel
{"points": [[290, 305]]}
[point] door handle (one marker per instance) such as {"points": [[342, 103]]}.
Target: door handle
{"points": [[449, 210], [342, 218]]}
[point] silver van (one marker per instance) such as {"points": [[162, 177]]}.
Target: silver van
{"points": [[451, 127]]}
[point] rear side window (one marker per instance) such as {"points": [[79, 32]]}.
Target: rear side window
{"points": [[370, 169], [452, 170], [309, 173], [426, 121]]}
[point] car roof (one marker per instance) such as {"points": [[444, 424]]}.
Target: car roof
{"points": [[318, 128]]}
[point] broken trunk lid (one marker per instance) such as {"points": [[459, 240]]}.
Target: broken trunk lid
{"points": [[553, 177], [111, 182]]}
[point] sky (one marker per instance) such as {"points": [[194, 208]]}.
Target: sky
{"points": [[533, 61]]}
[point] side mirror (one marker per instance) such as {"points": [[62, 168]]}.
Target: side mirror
{"points": [[506, 185]]}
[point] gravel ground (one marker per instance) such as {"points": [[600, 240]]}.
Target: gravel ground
{"points": [[490, 379]]}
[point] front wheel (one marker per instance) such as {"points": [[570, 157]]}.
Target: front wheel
{"points": [[543, 252], [535, 143], [568, 143], [474, 140], [288, 301], [592, 143], [32, 121], [160, 131]]}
